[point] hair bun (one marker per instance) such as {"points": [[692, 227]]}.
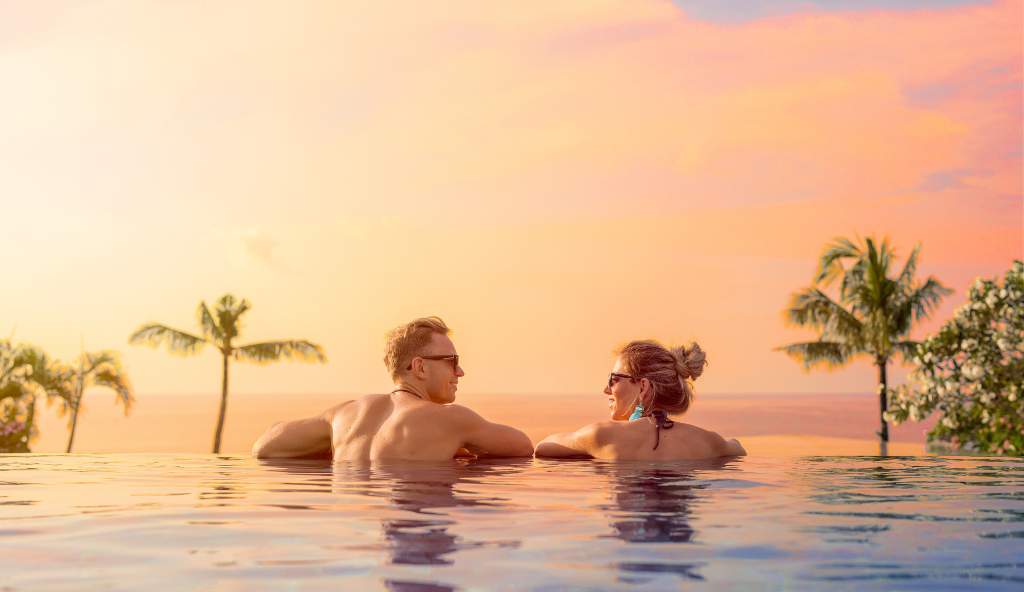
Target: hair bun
{"points": [[690, 361]]}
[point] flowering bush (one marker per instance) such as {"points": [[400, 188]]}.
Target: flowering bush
{"points": [[972, 372], [14, 433]]}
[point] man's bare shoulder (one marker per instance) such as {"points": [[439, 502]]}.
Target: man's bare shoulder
{"points": [[353, 405], [457, 413]]}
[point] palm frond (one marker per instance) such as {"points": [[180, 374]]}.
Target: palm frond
{"points": [[830, 264], [270, 351], [906, 277], [926, 297], [229, 311], [828, 353], [178, 342], [114, 378], [907, 349], [210, 328], [813, 308]]}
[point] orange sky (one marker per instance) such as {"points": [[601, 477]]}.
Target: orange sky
{"points": [[551, 178]]}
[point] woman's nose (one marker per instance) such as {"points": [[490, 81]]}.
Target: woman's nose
{"points": [[607, 390]]}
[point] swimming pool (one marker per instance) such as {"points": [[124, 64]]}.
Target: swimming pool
{"points": [[130, 522]]}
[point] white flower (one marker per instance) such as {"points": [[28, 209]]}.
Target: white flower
{"points": [[987, 398], [1003, 344], [949, 422], [928, 357], [969, 344], [985, 417], [992, 300], [973, 372], [1012, 397], [950, 386], [1002, 293]]}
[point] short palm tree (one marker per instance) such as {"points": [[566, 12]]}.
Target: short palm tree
{"points": [[26, 374], [101, 369], [220, 328], [873, 315]]}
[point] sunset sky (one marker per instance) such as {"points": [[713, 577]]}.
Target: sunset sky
{"points": [[552, 178]]}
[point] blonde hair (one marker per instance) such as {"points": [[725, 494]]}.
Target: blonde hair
{"points": [[404, 343], [671, 372]]}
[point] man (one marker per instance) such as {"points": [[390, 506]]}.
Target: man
{"points": [[415, 421]]}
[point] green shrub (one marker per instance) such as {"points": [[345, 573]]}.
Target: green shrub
{"points": [[972, 372]]}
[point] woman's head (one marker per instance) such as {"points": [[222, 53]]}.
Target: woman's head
{"points": [[649, 374]]}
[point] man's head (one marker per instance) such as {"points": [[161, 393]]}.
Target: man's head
{"points": [[421, 355]]}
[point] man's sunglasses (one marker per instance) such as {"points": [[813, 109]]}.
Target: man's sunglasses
{"points": [[615, 377], [453, 357]]}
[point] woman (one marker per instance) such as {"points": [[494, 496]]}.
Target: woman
{"points": [[647, 383]]}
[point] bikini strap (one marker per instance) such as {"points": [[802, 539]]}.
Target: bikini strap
{"points": [[661, 421]]}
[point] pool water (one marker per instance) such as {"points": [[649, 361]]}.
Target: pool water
{"points": [[131, 522]]}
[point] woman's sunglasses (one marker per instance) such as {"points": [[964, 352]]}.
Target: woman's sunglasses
{"points": [[615, 377]]}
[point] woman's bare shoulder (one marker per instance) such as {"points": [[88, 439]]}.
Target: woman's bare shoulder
{"points": [[716, 441]]}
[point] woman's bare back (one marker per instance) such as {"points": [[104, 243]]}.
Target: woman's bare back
{"points": [[635, 440]]}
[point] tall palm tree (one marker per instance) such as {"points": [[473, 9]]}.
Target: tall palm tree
{"points": [[220, 328], [97, 369], [873, 315]]}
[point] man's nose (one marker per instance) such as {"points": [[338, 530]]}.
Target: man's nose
{"points": [[460, 372]]}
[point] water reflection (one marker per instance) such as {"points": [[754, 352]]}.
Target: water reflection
{"points": [[426, 490], [654, 503], [423, 493]]}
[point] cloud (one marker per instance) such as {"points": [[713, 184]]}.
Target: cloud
{"points": [[742, 11], [941, 180], [258, 245]]}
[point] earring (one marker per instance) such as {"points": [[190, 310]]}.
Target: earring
{"points": [[638, 412]]}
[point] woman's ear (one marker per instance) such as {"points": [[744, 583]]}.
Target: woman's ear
{"points": [[645, 390]]}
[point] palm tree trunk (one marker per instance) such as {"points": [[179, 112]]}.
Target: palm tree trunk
{"points": [[883, 399], [74, 421], [223, 406], [30, 419], [79, 391]]}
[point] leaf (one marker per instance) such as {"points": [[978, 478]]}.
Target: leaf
{"points": [[813, 353], [178, 342], [263, 353]]}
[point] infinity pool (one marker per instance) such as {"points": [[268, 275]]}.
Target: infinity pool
{"points": [[141, 522]]}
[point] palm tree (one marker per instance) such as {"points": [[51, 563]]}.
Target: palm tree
{"points": [[97, 369], [874, 313], [27, 373], [220, 329]]}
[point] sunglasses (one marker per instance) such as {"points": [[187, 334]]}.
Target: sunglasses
{"points": [[453, 357], [615, 377]]}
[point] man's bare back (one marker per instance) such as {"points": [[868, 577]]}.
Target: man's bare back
{"points": [[416, 421], [390, 427]]}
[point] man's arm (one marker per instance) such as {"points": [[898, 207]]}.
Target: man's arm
{"points": [[489, 439], [295, 439], [578, 444]]}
